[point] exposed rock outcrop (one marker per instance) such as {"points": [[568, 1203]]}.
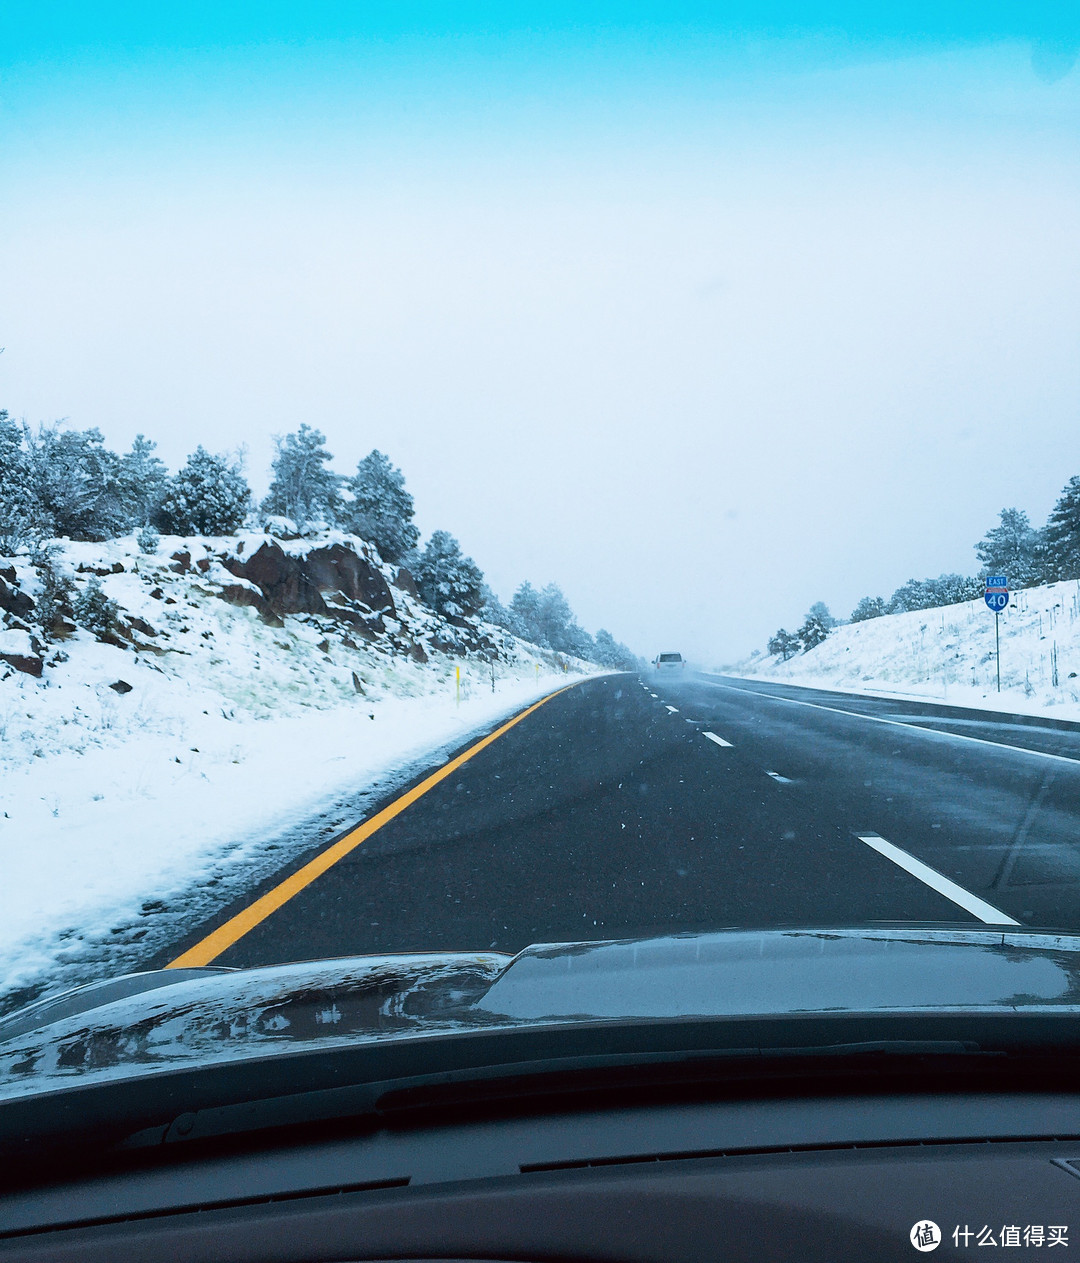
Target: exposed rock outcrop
{"points": [[404, 580], [330, 581], [19, 650], [12, 600], [247, 594]]}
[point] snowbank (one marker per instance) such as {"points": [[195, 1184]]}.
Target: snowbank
{"points": [[142, 784], [948, 655]]}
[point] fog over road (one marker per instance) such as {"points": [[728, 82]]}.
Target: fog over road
{"points": [[629, 806]]}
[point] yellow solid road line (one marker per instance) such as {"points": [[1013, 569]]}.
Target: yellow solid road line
{"points": [[211, 947]]}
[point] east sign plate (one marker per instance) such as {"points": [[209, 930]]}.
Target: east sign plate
{"points": [[997, 592]]}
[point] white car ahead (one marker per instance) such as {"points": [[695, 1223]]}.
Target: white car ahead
{"points": [[665, 662]]}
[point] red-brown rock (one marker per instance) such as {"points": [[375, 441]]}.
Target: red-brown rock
{"points": [[405, 581], [295, 585], [15, 601], [241, 594]]}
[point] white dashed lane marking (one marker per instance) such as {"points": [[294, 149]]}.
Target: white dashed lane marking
{"points": [[719, 740], [674, 709], [944, 734], [782, 780], [938, 881]]}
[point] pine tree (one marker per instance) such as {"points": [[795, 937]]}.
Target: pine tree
{"points": [[609, 652], [1062, 534], [784, 644], [908, 596], [526, 608], [53, 603], [95, 611], [144, 481], [557, 627], [606, 650], [929, 594], [820, 611], [209, 496], [148, 539], [555, 617], [868, 607], [76, 481], [1012, 548], [577, 642], [20, 520], [303, 488], [381, 510], [449, 583], [813, 632], [493, 611]]}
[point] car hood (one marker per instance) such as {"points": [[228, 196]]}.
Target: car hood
{"points": [[143, 1023]]}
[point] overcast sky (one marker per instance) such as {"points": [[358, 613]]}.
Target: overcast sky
{"points": [[704, 323]]}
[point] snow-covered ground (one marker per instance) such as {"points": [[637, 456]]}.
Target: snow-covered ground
{"points": [[129, 811], [947, 655]]}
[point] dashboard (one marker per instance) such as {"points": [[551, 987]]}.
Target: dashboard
{"points": [[827, 1177]]}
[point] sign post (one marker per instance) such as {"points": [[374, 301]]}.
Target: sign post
{"points": [[996, 597]]}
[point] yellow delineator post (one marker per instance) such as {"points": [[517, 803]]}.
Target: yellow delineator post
{"points": [[457, 685], [538, 672]]}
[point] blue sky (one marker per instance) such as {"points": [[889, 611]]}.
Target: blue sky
{"points": [[707, 312], [79, 24]]}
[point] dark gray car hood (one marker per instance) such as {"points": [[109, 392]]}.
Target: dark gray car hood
{"points": [[148, 1022]]}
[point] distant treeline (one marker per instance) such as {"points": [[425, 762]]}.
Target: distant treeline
{"points": [[59, 483], [1024, 554]]}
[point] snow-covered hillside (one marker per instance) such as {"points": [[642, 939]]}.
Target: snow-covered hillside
{"points": [[243, 686], [948, 655]]}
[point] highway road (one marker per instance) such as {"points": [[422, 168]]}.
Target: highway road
{"points": [[628, 805]]}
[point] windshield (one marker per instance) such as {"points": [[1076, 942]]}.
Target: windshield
{"points": [[382, 387]]}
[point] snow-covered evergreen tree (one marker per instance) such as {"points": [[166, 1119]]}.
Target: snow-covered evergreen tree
{"points": [[908, 596], [303, 489], [20, 520], [449, 582], [868, 607], [95, 611], [493, 611], [525, 607], [209, 496], [545, 618], [814, 631], [53, 603], [784, 643], [144, 481], [820, 611], [609, 652], [380, 509], [605, 648], [1012, 548], [148, 539], [557, 626], [1062, 534], [928, 594], [577, 642], [76, 482], [554, 616]]}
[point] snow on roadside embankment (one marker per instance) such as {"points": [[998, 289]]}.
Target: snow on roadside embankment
{"points": [[947, 655], [145, 781]]}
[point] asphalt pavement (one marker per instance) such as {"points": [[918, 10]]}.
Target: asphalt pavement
{"points": [[630, 806]]}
